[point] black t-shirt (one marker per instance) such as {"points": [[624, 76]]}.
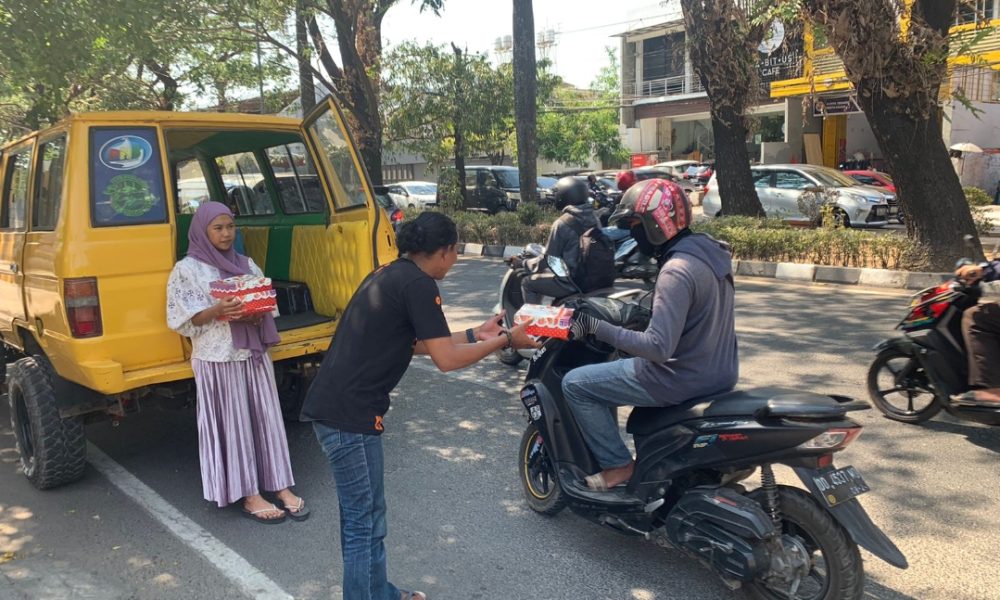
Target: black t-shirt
{"points": [[395, 306]]}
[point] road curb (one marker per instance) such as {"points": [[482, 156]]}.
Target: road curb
{"points": [[886, 278]]}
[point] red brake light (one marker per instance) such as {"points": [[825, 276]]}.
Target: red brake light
{"points": [[832, 439], [397, 215], [83, 307]]}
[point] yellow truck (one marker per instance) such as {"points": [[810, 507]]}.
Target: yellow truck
{"points": [[94, 214]]}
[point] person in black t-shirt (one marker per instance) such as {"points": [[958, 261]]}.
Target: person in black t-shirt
{"points": [[395, 313]]}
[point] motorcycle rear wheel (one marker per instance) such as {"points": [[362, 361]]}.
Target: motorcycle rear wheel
{"points": [[836, 571], [913, 387], [538, 475]]}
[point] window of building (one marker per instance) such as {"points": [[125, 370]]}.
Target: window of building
{"points": [[397, 172], [15, 194], [976, 11], [663, 57], [49, 187]]}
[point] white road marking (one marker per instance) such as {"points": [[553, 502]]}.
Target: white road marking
{"points": [[252, 582]]}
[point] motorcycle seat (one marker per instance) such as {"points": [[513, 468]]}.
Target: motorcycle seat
{"points": [[751, 403]]}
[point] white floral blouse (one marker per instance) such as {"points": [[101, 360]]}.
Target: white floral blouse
{"points": [[188, 295]]}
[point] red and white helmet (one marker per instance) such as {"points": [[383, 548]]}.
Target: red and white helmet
{"points": [[661, 205]]}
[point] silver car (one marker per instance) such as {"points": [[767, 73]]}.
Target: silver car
{"points": [[780, 188]]}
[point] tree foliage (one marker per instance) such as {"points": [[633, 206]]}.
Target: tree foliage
{"points": [[575, 125]]}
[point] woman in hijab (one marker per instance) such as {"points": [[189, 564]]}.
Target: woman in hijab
{"points": [[241, 436]]}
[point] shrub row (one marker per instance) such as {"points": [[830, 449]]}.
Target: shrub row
{"points": [[770, 240]]}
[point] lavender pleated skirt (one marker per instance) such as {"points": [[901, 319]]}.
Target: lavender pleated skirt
{"points": [[241, 436]]}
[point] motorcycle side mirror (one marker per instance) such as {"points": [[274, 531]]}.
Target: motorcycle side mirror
{"points": [[557, 266]]}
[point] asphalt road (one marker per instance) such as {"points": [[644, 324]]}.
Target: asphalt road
{"points": [[458, 528]]}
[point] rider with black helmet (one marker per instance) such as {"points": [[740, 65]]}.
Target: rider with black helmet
{"points": [[564, 241]]}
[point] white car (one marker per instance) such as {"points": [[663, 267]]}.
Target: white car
{"points": [[413, 194], [677, 168], [780, 186]]}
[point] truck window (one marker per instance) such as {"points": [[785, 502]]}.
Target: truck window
{"points": [[126, 177], [296, 180], [246, 191], [49, 186], [192, 186], [348, 189], [15, 194]]}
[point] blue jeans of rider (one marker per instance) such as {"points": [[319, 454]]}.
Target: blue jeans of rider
{"points": [[357, 464], [594, 393]]}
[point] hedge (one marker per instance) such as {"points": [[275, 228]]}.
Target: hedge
{"points": [[770, 240]]}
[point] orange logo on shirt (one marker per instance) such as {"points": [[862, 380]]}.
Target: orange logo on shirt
{"points": [[378, 423], [438, 300]]}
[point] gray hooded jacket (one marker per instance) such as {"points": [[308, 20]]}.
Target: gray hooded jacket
{"points": [[689, 348]]}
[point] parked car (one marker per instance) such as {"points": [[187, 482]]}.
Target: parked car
{"points": [[873, 178], [677, 168], [780, 186], [490, 188], [644, 173], [392, 210], [700, 173], [414, 194], [96, 211], [545, 189]]}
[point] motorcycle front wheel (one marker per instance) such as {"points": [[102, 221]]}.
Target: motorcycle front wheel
{"points": [[835, 568], [509, 356], [538, 474], [899, 388]]}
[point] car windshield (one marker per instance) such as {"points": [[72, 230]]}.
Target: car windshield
{"points": [[508, 178], [423, 189], [546, 182], [830, 178], [608, 183]]}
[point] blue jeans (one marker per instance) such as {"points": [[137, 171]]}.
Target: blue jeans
{"points": [[356, 462], [594, 393]]}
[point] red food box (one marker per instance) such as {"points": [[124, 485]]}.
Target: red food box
{"points": [[256, 294], [545, 321]]}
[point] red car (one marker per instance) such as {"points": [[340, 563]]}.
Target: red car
{"points": [[873, 178]]}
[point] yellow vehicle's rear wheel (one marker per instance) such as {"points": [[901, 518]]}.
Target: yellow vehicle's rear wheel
{"points": [[52, 450]]}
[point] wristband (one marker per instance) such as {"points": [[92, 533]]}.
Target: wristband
{"points": [[510, 339], [470, 335]]}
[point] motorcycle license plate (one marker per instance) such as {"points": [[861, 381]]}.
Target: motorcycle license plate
{"points": [[840, 485]]}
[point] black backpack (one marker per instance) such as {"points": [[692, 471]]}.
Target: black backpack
{"points": [[596, 268]]}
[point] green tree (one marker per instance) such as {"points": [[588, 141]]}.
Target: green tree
{"points": [[576, 125], [431, 95]]}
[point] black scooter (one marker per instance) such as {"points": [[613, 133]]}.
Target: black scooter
{"points": [[775, 541], [914, 376]]}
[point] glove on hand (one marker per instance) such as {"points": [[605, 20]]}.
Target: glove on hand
{"points": [[582, 326]]}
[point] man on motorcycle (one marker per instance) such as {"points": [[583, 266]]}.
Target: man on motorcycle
{"points": [[981, 330], [689, 348], [564, 242]]}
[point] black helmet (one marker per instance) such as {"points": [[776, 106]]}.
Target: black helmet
{"points": [[570, 191]]}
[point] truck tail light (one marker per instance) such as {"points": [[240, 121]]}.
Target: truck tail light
{"points": [[83, 307]]}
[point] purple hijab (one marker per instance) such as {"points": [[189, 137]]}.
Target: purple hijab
{"points": [[246, 336]]}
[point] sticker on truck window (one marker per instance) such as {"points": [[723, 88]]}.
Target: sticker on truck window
{"points": [[126, 177]]}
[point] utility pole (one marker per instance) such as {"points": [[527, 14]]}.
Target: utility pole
{"points": [[525, 109], [458, 81]]}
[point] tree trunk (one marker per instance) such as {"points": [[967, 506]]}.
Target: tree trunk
{"points": [[936, 213], [457, 90], [723, 48], [525, 109], [898, 79], [307, 89], [732, 164]]}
